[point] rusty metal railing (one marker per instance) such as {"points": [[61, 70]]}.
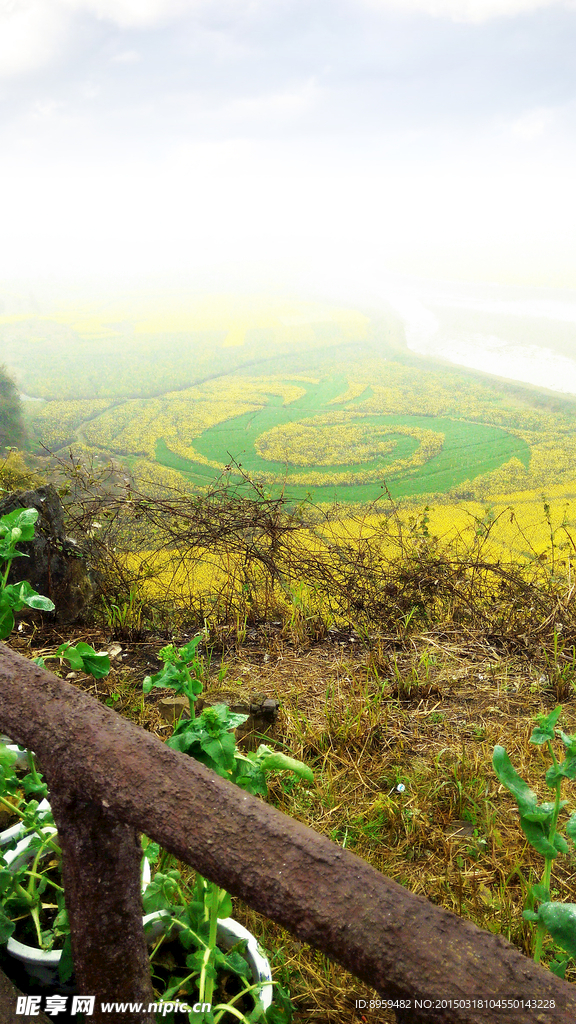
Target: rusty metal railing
{"points": [[110, 780]]}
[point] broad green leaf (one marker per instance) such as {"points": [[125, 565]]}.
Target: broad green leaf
{"points": [[273, 760], [195, 962], [19, 517], [560, 843], [558, 967], [7, 552], [169, 676], [6, 622], [220, 958], [250, 777], [224, 904], [34, 787], [541, 892], [7, 757], [235, 718], [544, 730], [566, 769], [282, 1009], [537, 836], [66, 963], [569, 742], [546, 810], [237, 963], [72, 656], [82, 657], [150, 850], [220, 750], [187, 652], [61, 922], [206, 1017], [527, 800], [184, 744], [258, 1012], [6, 927], [191, 688], [10, 596], [43, 604], [159, 895], [560, 921], [6, 880], [22, 519], [97, 665], [190, 727], [17, 595], [571, 828]]}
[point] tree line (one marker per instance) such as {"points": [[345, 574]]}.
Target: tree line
{"points": [[12, 432]]}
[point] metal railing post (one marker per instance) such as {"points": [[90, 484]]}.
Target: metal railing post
{"points": [[101, 872]]}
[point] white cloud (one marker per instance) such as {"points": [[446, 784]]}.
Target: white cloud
{"points": [[470, 10], [34, 33], [31, 34], [133, 13], [280, 105], [126, 57], [532, 124]]}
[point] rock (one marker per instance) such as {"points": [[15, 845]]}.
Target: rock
{"points": [[459, 830], [262, 712], [171, 708], [55, 566]]}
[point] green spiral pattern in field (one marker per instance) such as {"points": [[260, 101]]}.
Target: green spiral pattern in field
{"points": [[468, 449]]}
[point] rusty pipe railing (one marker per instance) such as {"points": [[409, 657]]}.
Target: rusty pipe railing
{"points": [[110, 780]]}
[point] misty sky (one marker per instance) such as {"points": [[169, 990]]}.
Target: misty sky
{"points": [[289, 143]]}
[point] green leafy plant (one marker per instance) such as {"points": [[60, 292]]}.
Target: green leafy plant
{"points": [[81, 657], [20, 793], [33, 895], [187, 960], [209, 738], [126, 615], [15, 527], [181, 672], [539, 822]]}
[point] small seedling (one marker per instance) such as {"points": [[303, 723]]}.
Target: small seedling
{"points": [[539, 822], [81, 657]]}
